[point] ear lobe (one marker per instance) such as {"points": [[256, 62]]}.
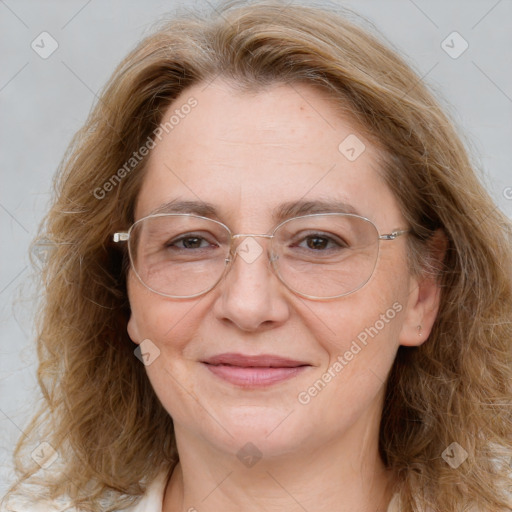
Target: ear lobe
{"points": [[424, 296], [421, 312], [133, 330]]}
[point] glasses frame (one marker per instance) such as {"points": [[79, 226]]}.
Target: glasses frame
{"points": [[124, 236]]}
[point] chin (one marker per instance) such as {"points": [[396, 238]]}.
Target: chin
{"points": [[271, 431]]}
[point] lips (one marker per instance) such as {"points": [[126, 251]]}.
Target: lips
{"points": [[254, 371], [262, 361]]}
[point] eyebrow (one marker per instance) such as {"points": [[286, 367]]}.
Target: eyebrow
{"points": [[282, 212]]}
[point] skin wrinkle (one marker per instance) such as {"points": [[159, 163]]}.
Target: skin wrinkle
{"points": [[251, 312]]}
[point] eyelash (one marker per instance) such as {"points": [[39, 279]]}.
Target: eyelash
{"points": [[330, 241]]}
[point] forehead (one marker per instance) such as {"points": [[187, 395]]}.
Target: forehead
{"points": [[248, 154]]}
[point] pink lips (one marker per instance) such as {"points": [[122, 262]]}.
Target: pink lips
{"points": [[254, 371]]}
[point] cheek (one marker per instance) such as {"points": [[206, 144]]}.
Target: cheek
{"points": [[360, 340], [360, 333], [169, 325]]}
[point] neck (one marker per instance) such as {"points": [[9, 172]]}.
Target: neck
{"points": [[333, 477]]}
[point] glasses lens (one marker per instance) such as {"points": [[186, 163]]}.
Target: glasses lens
{"points": [[325, 256], [179, 255]]}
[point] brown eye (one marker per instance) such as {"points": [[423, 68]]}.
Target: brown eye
{"points": [[317, 243], [190, 241], [320, 242]]}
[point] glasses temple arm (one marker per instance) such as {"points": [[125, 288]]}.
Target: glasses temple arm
{"points": [[120, 237], [394, 234]]}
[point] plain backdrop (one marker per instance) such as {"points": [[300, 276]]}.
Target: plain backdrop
{"points": [[43, 101]]}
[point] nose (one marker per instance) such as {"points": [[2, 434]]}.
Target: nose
{"points": [[250, 296]]}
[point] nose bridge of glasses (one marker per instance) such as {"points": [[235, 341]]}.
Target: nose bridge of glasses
{"points": [[250, 235], [248, 247], [245, 235]]}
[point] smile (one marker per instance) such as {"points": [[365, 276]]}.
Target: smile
{"points": [[254, 371]]}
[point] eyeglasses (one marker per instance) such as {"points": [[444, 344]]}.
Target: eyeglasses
{"points": [[317, 256]]}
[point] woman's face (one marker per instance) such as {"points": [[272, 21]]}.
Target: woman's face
{"points": [[247, 155]]}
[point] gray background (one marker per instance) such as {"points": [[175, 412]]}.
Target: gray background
{"points": [[44, 101]]}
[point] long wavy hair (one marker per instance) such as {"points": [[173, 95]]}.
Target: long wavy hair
{"points": [[98, 409]]}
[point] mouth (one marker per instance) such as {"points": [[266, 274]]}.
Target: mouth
{"points": [[254, 371]]}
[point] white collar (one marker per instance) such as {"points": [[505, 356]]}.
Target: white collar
{"points": [[153, 498]]}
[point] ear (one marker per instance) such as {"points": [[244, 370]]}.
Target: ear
{"points": [[424, 296], [133, 330]]}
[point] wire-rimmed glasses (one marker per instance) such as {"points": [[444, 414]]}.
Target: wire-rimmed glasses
{"points": [[317, 256]]}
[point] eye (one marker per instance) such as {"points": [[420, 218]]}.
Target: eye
{"points": [[317, 242], [191, 241], [320, 242]]}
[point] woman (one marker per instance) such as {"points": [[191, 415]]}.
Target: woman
{"points": [[276, 284]]}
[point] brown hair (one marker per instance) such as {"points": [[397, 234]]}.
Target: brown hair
{"points": [[99, 409]]}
